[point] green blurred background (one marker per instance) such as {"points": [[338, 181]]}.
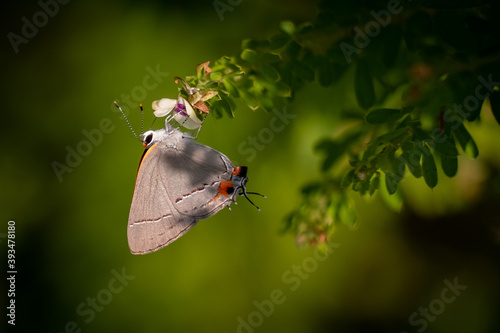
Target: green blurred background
{"points": [[71, 234]]}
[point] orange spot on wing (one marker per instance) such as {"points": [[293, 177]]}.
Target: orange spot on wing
{"points": [[236, 170], [223, 187]]}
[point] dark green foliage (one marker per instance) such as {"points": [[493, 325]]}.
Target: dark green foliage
{"points": [[380, 116], [429, 169], [363, 85], [418, 74], [466, 142]]}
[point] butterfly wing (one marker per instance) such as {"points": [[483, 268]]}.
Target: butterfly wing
{"points": [[195, 173], [153, 220]]}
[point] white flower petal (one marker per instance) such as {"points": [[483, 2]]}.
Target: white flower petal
{"points": [[193, 121], [167, 103], [164, 103], [160, 113], [188, 123]]}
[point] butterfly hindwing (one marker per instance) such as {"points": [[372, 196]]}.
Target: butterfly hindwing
{"points": [[153, 223]]}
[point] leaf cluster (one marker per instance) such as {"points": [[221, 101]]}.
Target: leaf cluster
{"points": [[418, 74]]}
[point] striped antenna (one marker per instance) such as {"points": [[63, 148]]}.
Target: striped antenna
{"points": [[128, 123]]}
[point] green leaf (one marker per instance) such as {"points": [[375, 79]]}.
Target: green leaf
{"points": [[363, 187], [412, 160], [374, 184], [420, 135], [466, 141], [227, 105], [449, 165], [265, 103], [215, 76], [270, 58], [347, 179], [399, 166], [250, 44], [282, 89], [374, 148], [380, 116], [391, 182], [249, 55], [270, 73], [254, 44], [249, 98], [231, 87], [278, 41], [447, 148], [396, 166], [216, 111], [287, 27], [394, 201], [388, 137], [495, 104], [363, 85], [408, 146], [429, 169], [292, 49]]}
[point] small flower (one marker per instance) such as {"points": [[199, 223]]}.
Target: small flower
{"points": [[163, 106], [183, 111], [361, 176], [180, 107], [196, 97]]}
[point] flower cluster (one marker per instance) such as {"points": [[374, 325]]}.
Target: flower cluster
{"points": [[181, 109]]}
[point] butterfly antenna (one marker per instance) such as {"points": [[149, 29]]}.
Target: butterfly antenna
{"points": [[244, 192], [128, 123], [142, 119], [262, 195]]}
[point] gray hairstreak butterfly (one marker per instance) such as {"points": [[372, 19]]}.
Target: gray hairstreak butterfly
{"points": [[179, 182]]}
